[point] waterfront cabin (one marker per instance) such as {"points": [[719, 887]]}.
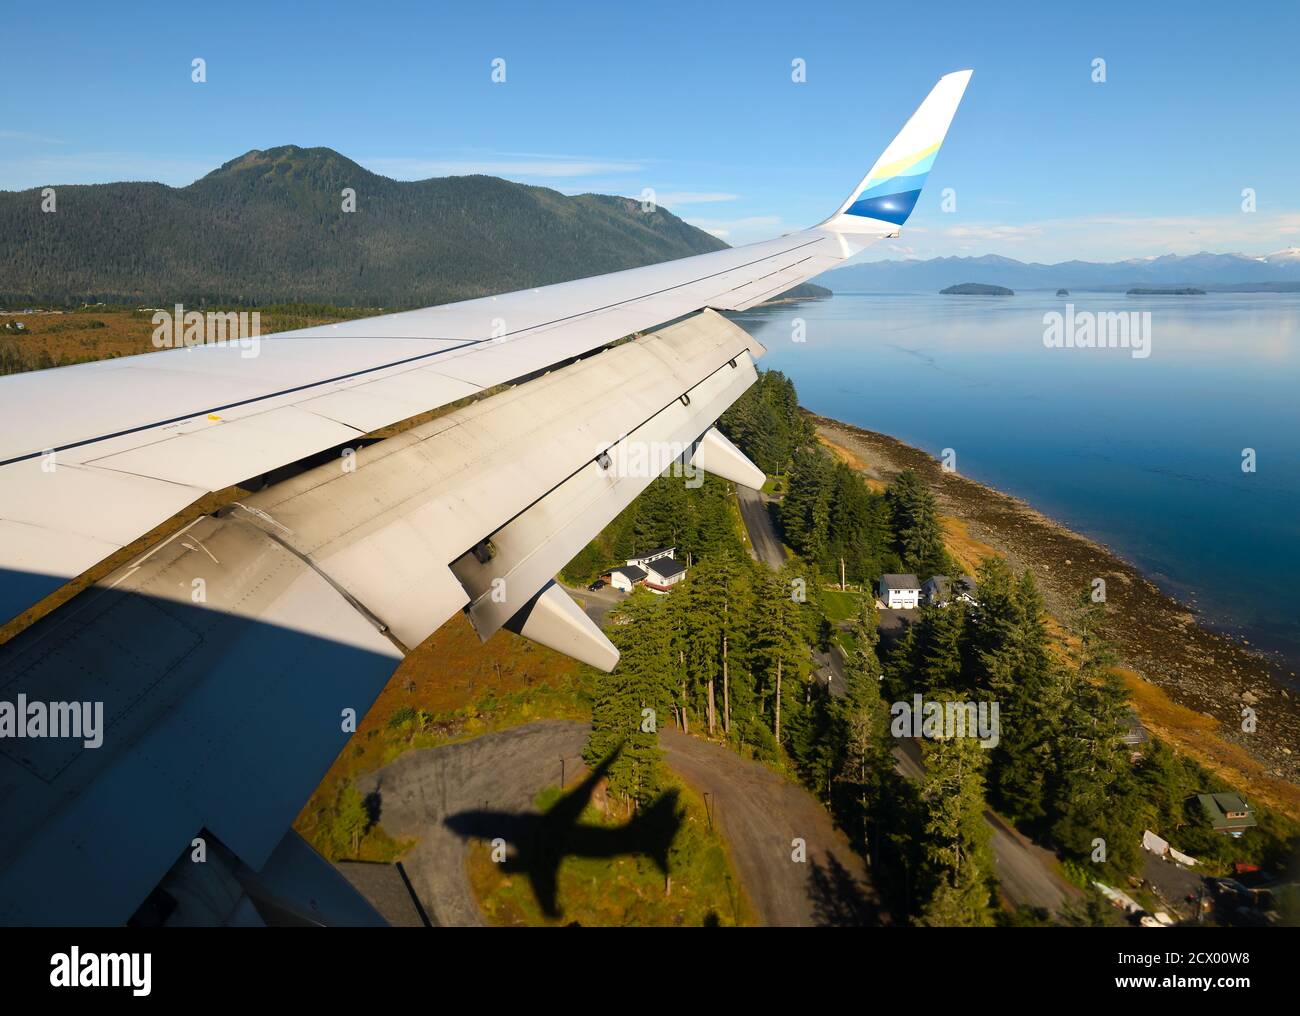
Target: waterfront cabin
{"points": [[1230, 814]]}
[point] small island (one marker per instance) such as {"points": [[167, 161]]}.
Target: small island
{"points": [[1167, 291], [803, 291], [1062, 292], [976, 289]]}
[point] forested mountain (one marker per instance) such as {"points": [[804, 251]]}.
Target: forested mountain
{"points": [[269, 226]]}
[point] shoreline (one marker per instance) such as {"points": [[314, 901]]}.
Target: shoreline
{"points": [[1189, 683]]}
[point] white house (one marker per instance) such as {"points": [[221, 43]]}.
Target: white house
{"points": [[625, 579], [663, 573], [900, 592], [657, 570]]}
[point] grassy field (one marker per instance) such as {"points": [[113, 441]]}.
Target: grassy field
{"points": [[626, 889], [56, 339], [841, 605]]}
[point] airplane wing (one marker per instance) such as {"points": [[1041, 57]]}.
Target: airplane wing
{"points": [[228, 656]]}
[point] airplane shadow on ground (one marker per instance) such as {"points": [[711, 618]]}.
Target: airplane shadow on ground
{"points": [[541, 840]]}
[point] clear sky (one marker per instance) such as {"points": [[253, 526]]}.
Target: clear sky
{"points": [[1200, 101]]}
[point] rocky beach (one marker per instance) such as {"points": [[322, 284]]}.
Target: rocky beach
{"points": [[1192, 686]]}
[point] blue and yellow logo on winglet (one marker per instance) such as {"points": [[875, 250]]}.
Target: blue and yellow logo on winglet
{"points": [[891, 192]]}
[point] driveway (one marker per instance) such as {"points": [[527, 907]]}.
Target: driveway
{"points": [[764, 544], [598, 602], [830, 670], [759, 813]]}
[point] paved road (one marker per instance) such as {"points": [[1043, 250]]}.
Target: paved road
{"points": [[764, 544], [759, 813], [1026, 871], [830, 666]]}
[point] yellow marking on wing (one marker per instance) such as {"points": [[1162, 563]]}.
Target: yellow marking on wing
{"points": [[898, 165]]}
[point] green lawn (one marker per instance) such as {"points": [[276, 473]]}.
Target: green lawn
{"points": [[841, 606], [846, 641]]}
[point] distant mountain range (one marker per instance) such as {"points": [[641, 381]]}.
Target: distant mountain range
{"points": [[268, 227], [1208, 271]]}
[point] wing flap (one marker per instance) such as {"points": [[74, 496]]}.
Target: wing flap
{"points": [[386, 532]]}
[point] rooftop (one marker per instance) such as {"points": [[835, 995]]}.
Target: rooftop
{"points": [[632, 572], [647, 555], [1227, 811], [667, 566], [900, 581]]}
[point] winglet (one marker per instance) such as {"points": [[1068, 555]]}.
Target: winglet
{"points": [[886, 196]]}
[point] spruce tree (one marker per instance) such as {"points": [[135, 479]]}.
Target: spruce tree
{"points": [[640, 682], [956, 865]]}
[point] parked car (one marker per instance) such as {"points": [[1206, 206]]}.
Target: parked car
{"points": [[598, 584]]}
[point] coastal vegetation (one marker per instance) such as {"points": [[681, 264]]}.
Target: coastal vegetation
{"points": [[106, 331]]}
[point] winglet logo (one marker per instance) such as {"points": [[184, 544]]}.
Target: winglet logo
{"points": [[891, 191], [102, 970]]}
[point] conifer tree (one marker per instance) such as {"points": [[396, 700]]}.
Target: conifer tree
{"points": [[915, 521], [956, 863], [864, 759], [353, 820], [1091, 770], [641, 681]]}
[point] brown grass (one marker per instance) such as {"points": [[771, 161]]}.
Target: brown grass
{"points": [[872, 478], [1195, 734]]}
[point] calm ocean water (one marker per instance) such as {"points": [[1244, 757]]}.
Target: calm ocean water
{"points": [[1144, 455]]}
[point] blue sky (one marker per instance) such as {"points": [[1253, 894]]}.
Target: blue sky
{"points": [[696, 101]]}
